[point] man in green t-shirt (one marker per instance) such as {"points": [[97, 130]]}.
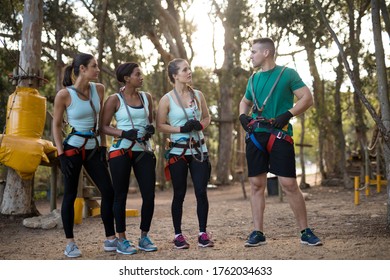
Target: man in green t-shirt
{"points": [[269, 147]]}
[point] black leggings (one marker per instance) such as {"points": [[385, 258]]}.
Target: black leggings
{"points": [[144, 166], [200, 174], [98, 172]]}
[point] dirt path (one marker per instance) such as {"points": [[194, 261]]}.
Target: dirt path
{"points": [[349, 232]]}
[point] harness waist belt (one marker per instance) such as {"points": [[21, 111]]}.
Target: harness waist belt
{"points": [[186, 146], [119, 152]]}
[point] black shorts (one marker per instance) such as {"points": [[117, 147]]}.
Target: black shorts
{"points": [[281, 160]]}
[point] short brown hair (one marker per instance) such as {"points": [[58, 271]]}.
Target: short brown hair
{"points": [[267, 42]]}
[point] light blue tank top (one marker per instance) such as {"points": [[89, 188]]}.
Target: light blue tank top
{"points": [[177, 118], [139, 115], [82, 117]]}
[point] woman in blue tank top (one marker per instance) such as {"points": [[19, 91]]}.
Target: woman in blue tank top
{"points": [[133, 112], [84, 146], [183, 113]]}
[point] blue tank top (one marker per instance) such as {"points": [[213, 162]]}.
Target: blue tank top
{"points": [[177, 118], [139, 115], [82, 117]]}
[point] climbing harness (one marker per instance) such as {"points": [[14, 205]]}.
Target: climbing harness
{"points": [[92, 134], [185, 113], [190, 143], [141, 141], [260, 121]]}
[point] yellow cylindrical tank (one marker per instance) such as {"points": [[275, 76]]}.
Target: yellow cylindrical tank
{"points": [[26, 113]]}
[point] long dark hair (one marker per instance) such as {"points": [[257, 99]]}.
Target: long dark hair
{"points": [[72, 71], [125, 69]]}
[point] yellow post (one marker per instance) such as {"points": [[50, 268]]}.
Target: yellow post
{"points": [[356, 185], [79, 202], [367, 184], [78, 210], [378, 183]]}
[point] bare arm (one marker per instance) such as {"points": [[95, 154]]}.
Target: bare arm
{"points": [[61, 101], [162, 117], [305, 100], [151, 112], [205, 119], [100, 89], [245, 105], [110, 107]]}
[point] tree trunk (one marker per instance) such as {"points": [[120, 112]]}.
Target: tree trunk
{"points": [[17, 197], [225, 125], [102, 35], [319, 105], [303, 183], [340, 158], [383, 91]]}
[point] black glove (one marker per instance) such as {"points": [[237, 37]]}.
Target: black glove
{"points": [[197, 125], [66, 165], [282, 120], [187, 127], [131, 134], [150, 129], [103, 155], [245, 120]]}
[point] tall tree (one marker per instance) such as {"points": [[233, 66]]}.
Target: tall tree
{"points": [[17, 197], [233, 18], [296, 18], [383, 92]]}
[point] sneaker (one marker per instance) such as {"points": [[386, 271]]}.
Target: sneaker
{"points": [[180, 242], [309, 238], [256, 238], [125, 247], [72, 251], [145, 244], [110, 245], [204, 240]]}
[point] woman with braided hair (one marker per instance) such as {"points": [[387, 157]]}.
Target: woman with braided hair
{"points": [[183, 113]]}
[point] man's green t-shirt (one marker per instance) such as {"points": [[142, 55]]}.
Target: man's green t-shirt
{"points": [[281, 99]]}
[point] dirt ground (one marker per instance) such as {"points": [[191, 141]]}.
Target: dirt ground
{"points": [[348, 232]]}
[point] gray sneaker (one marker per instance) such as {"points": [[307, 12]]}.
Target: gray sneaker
{"points": [[125, 247], [145, 244], [72, 251], [110, 245]]}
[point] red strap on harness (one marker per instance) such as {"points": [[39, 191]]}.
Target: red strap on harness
{"points": [[75, 151], [278, 135], [172, 160], [120, 152]]}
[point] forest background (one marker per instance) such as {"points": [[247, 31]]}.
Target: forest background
{"points": [[337, 47]]}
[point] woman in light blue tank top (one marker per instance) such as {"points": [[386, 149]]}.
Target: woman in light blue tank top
{"points": [[183, 113], [133, 113], [84, 146]]}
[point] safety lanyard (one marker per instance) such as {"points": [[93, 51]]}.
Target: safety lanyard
{"points": [[256, 105], [185, 113]]}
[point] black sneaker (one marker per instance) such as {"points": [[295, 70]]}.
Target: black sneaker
{"points": [[309, 238], [204, 240], [256, 238], [180, 242]]}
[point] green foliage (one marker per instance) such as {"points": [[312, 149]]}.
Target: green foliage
{"points": [[139, 18]]}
